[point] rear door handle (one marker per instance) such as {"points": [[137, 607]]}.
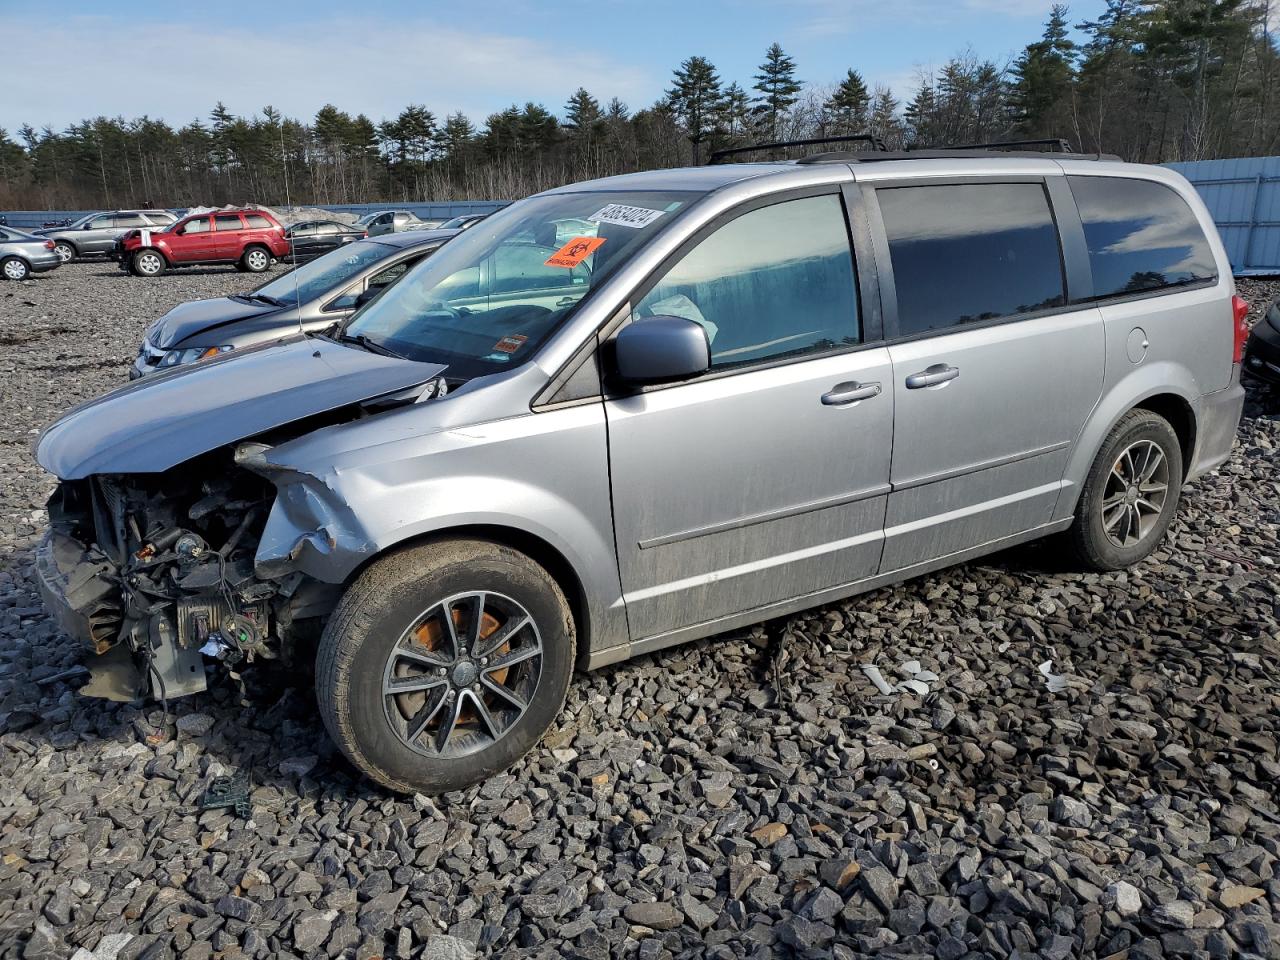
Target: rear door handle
{"points": [[843, 394], [932, 376]]}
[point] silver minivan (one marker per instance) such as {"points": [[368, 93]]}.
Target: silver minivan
{"points": [[642, 410]]}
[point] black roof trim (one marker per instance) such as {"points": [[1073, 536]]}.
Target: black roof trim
{"points": [[868, 156], [873, 141]]}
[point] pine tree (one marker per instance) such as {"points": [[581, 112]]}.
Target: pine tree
{"points": [[845, 111], [778, 88], [1042, 80], [734, 114], [582, 113], [695, 98]]}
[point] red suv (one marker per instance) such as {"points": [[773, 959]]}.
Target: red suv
{"points": [[247, 238]]}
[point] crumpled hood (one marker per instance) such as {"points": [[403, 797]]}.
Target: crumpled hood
{"points": [[199, 315], [158, 422]]}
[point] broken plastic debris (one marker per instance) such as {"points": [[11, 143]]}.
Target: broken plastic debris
{"points": [[1055, 681], [875, 676], [912, 667], [915, 686]]}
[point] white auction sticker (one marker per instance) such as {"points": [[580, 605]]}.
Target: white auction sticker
{"points": [[625, 216]]}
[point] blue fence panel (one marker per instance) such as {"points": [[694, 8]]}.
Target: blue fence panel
{"points": [[1243, 195]]}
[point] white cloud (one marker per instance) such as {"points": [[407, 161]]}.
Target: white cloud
{"points": [[824, 17], [87, 66]]}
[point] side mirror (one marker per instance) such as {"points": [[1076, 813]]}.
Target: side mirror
{"points": [[658, 349]]}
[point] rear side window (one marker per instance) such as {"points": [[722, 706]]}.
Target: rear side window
{"points": [[969, 252], [229, 221], [131, 220], [160, 219], [774, 283], [258, 222], [1141, 236]]}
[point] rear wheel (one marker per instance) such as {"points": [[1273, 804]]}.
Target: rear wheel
{"points": [[444, 664], [1131, 493], [65, 251], [255, 260], [15, 268], [148, 263]]}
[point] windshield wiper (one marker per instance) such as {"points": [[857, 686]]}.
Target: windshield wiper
{"points": [[373, 346]]}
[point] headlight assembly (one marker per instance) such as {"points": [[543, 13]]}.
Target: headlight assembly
{"points": [[176, 358]]}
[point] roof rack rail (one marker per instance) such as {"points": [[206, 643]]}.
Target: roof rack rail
{"points": [[1061, 144], [868, 138]]}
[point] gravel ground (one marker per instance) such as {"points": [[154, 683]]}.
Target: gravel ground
{"points": [[749, 796]]}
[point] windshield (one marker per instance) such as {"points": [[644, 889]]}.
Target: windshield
{"points": [[491, 295], [325, 273]]}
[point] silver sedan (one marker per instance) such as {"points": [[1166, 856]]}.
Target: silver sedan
{"points": [[22, 254]]}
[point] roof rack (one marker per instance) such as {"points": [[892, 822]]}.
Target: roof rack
{"points": [[875, 142], [1061, 144]]}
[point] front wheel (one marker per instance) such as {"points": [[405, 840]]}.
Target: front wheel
{"points": [[1130, 495], [15, 268], [148, 263], [65, 251], [255, 260], [444, 664]]}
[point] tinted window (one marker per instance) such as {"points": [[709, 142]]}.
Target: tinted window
{"points": [[229, 221], [327, 229], [302, 230], [198, 225], [258, 222], [1141, 235], [964, 253], [131, 220], [775, 282]]}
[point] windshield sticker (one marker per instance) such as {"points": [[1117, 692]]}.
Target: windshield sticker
{"points": [[622, 215], [510, 344], [574, 252]]}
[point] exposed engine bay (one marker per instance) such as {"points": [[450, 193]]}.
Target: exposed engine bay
{"points": [[161, 566]]}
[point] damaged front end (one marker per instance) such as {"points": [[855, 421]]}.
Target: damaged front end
{"points": [[155, 573]]}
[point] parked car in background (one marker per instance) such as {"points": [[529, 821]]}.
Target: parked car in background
{"points": [[250, 239], [389, 221], [96, 233], [313, 297], [736, 393], [22, 254], [311, 238], [1262, 352], [464, 221]]}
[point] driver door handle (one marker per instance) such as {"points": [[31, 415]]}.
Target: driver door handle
{"points": [[849, 392], [932, 376]]}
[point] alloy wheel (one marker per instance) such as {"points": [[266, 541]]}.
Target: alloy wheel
{"points": [[462, 675], [149, 263], [64, 252], [1136, 491], [257, 260]]}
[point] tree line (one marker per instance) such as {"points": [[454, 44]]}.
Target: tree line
{"points": [[1148, 80]]}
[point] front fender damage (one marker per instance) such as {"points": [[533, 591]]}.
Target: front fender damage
{"points": [[310, 530]]}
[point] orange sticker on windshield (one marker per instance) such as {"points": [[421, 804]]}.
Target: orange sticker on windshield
{"points": [[510, 344], [575, 251]]}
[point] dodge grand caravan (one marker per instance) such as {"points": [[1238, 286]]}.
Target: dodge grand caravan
{"points": [[642, 410]]}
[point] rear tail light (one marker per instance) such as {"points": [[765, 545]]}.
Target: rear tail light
{"points": [[365, 235], [1240, 311], [49, 244]]}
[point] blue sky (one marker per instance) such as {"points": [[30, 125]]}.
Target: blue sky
{"points": [[375, 57]]}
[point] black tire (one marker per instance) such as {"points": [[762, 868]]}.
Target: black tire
{"points": [[255, 259], [1100, 539], [374, 618], [66, 251], [147, 263], [14, 268]]}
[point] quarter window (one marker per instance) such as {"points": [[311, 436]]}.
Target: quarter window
{"points": [[229, 221], [258, 222], [774, 283], [970, 252], [1141, 236]]}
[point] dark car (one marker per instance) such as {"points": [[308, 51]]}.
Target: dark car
{"points": [[314, 296], [1262, 351], [312, 238]]}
